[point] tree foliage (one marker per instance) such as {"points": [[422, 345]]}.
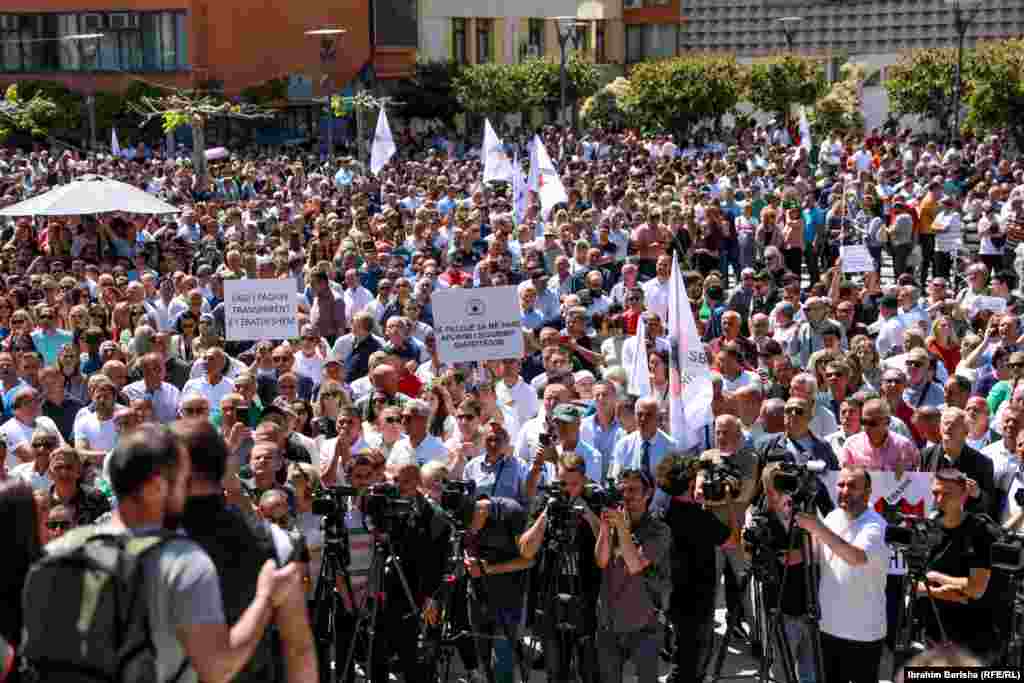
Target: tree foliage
{"points": [[268, 92], [68, 110], [30, 115], [841, 107], [506, 88], [430, 92], [776, 84], [604, 109], [922, 83], [681, 93], [996, 96]]}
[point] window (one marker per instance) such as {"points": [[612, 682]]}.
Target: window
{"points": [[536, 37], [583, 37], [650, 41], [600, 45], [484, 43], [459, 41], [132, 41]]}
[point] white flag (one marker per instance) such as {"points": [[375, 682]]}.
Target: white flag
{"points": [[383, 144], [544, 178], [115, 146], [640, 372], [690, 388], [497, 165], [805, 130], [518, 192]]}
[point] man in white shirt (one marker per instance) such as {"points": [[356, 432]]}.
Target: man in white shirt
{"points": [[96, 431], [418, 446], [656, 290], [355, 295], [17, 431], [214, 385], [853, 562], [36, 472], [516, 394]]}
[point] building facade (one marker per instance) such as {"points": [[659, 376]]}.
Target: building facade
{"points": [[229, 44]]}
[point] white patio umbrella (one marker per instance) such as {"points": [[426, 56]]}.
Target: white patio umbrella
{"points": [[90, 194]]}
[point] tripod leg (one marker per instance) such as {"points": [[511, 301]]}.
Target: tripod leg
{"points": [[783, 654]]}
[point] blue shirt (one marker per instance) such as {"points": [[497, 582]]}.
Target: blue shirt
{"points": [[504, 479], [50, 344], [602, 439], [813, 218], [628, 455]]}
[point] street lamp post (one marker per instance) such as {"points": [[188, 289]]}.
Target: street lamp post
{"points": [[566, 31], [328, 38], [90, 100], [963, 16], [789, 26]]}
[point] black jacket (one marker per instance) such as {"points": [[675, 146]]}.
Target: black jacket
{"points": [[975, 465]]}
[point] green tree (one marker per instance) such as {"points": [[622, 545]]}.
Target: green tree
{"points": [[491, 89], [840, 108], [604, 108], [268, 92], [30, 115], [996, 97], [430, 92], [679, 94], [922, 84], [68, 113], [776, 84]]}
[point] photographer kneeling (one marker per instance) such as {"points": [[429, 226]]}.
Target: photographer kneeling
{"points": [[697, 533], [566, 528], [633, 552], [959, 569]]}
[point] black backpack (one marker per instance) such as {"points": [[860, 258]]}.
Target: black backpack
{"points": [[86, 614]]}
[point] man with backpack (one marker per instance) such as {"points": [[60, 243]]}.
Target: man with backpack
{"points": [[239, 545], [132, 602]]}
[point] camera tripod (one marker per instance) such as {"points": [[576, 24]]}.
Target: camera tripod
{"points": [[560, 612], [384, 561], [1011, 654], [908, 622], [326, 601], [769, 621], [443, 640]]}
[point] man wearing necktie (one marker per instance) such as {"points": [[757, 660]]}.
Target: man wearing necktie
{"points": [[644, 448]]}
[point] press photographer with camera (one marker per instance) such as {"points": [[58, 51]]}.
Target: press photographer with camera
{"points": [[633, 553], [697, 533], [564, 535], [777, 560], [959, 569], [853, 561]]}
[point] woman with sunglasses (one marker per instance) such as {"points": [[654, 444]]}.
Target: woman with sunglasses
{"points": [[387, 430], [329, 402], [187, 329]]}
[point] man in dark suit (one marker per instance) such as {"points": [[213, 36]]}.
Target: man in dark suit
{"points": [[953, 452]]}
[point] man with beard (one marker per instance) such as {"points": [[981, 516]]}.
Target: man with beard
{"points": [[239, 546], [150, 473]]}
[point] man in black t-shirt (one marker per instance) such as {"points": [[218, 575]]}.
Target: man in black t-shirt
{"points": [[959, 570], [696, 534]]}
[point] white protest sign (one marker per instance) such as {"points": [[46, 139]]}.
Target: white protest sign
{"points": [[996, 304], [260, 309], [477, 324], [911, 495], [856, 259]]}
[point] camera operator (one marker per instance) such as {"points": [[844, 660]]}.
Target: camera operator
{"points": [[697, 533], [633, 552], [239, 546], [954, 453], [419, 541], [500, 578], [575, 564], [853, 561], [960, 569], [771, 525]]}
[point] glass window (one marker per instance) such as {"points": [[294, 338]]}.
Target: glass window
{"points": [[459, 40], [483, 41], [583, 37], [599, 43], [536, 39]]}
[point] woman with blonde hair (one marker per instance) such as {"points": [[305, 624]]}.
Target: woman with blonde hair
{"points": [[944, 343], [305, 481]]}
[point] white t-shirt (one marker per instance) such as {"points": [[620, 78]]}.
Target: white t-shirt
{"points": [[853, 598], [99, 435], [213, 393], [26, 471], [429, 450], [15, 433]]}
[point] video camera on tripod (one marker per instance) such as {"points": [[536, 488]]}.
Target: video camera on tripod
{"points": [[914, 536], [721, 480], [563, 511], [456, 499], [799, 482]]}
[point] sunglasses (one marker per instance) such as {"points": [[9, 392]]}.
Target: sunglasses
{"points": [[465, 417], [48, 443], [915, 364], [794, 411], [870, 424], [1016, 366], [55, 524], [394, 419], [193, 411], [333, 395], [892, 380]]}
